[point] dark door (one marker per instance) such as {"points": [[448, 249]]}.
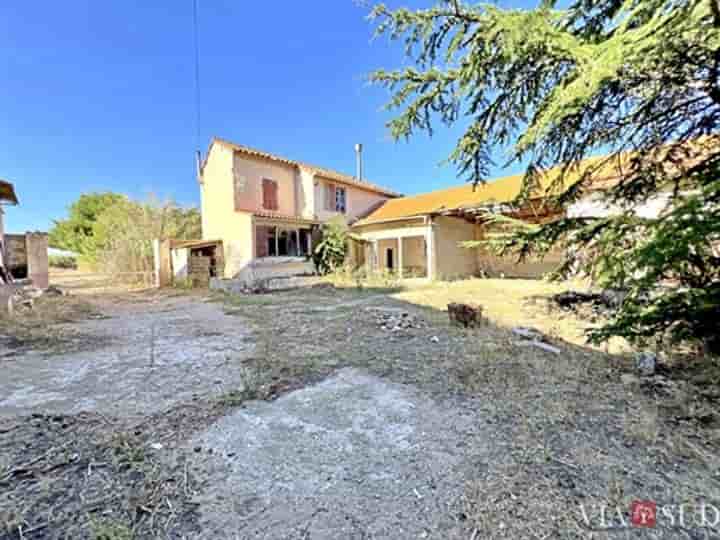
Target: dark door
{"points": [[390, 263]]}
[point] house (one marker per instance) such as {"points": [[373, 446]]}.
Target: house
{"points": [[423, 235], [265, 209]]}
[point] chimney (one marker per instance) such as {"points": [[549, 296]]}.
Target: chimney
{"points": [[358, 153]]}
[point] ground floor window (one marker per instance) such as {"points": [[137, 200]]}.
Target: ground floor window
{"points": [[276, 241]]}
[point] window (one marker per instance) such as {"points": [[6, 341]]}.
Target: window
{"points": [[270, 194], [340, 199], [279, 242], [335, 198]]}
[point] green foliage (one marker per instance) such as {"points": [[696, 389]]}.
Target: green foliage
{"points": [[115, 233], [63, 261], [329, 254], [76, 232], [636, 81]]}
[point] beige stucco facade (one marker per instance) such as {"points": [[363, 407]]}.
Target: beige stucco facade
{"points": [[436, 243], [220, 220], [232, 206]]}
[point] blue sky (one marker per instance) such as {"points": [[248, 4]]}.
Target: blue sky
{"points": [[99, 96]]}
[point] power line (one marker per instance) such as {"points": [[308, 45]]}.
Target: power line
{"points": [[197, 74]]}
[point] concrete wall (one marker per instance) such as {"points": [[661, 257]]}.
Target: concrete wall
{"points": [[382, 248], [414, 254], [180, 263], [532, 268], [454, 261], [37, 259], [220, 220], [267, 268]]}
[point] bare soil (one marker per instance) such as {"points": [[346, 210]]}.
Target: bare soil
{"points": [[325, 393]]}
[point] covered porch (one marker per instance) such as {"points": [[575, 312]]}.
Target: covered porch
{"points": [[405, 249]]}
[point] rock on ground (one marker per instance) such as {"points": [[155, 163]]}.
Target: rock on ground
{"points": [[352, 457]]}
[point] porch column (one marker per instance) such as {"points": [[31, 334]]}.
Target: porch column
{"points": [[376, 256], [430, 242], [400, 256]]}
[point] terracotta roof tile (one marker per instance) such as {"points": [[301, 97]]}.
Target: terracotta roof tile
{"points": [[498, 191], [320, 171]]}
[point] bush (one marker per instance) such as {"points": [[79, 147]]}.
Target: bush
{"points": [[329, 254], [65, 262]]}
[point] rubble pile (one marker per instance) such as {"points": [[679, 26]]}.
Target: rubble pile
{"points": [[397, 320], [23, 298]]}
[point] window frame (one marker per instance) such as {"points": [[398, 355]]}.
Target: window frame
{"points": [[340, 190]]}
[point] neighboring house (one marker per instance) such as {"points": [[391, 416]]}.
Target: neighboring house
{"points": [[264, 208]]}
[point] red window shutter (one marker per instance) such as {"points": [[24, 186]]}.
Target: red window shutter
{"points": [[270, 194], [265, 193]]}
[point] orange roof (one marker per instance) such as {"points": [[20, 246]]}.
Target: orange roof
{"points": [[320, 171], [499, 191]]}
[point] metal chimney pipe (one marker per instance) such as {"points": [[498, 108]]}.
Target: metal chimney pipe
{"points": [[358, 153]]}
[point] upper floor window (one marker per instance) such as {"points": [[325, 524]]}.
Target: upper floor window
{"points": [[270, 194], [340, 199], [335, 198]]}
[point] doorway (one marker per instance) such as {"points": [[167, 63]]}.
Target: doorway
{"points": [[390, 259]]}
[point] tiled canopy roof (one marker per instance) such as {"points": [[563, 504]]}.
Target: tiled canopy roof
{"points": [[494, 192]]}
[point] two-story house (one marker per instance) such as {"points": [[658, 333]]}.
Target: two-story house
{"points": [[264, 208]]}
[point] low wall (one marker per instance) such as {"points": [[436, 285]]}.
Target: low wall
{"points": [[234, 286], [271, 273]]}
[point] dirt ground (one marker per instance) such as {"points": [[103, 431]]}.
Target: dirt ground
{"points": [[343, 413]]}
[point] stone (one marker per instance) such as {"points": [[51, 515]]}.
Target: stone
{"points": [[529, 333], [466, 315], [628, 379], [646, 363]]}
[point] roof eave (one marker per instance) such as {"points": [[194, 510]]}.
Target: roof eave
{"points": [[7, 193]]}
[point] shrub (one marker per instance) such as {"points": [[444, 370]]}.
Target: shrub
{"points": [[329, 254], [65, 262]]}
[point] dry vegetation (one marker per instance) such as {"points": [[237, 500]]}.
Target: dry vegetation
{"points": [[579, 428], [570, 429]]}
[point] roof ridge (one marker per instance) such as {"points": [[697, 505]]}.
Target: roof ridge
{"points": [[340, 176]]}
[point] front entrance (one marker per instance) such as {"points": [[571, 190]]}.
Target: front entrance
{"points": [[390, 259]]}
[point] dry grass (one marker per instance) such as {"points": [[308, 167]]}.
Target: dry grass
{"points": [[565, 430], [46, 327], [512, 302], [568, 429]]}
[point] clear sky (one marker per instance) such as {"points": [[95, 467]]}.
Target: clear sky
{"points": [[99, 96]]}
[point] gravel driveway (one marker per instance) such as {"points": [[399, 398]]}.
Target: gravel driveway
{"points": [[138, 358]]}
